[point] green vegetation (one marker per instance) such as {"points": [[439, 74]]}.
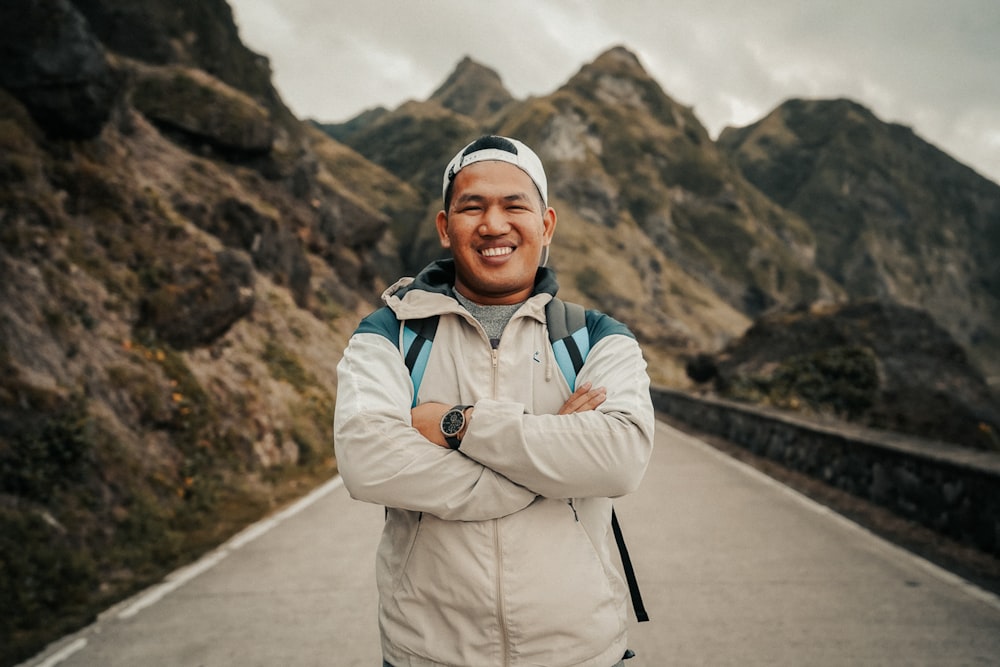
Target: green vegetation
{"points": [[312, 426], [841, 380], [283, 365]]}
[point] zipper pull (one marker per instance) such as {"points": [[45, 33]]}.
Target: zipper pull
{"points": [[573, 507]]}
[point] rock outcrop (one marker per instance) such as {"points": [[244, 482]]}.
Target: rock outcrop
{"points": [[879, 364], [51, 60]]}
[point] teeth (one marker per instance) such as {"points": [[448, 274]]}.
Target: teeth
{"points": [[497, 252]]}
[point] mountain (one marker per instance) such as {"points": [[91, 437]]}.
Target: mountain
{"points": [[894, 218]]}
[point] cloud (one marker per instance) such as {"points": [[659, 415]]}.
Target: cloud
{"points": [[923, 63]]}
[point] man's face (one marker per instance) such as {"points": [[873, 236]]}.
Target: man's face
{"points": [[496, 229]]}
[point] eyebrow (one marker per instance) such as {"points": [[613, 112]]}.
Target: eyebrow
{"points": [[517, 196]]}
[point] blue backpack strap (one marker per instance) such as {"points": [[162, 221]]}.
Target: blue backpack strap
{"points": [[417, 338], [568, 334]]}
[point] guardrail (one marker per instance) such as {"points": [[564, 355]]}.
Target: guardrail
{"points": [[950, 489]]}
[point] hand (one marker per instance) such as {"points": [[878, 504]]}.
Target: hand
{"points": [[583, 399], [426, 418]]}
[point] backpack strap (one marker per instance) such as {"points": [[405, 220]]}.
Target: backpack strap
{"points": [[567, 325], [633, 583], [570, 338], [417, 337]]}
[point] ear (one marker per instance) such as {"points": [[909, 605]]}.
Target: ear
{"points": [[442, 227], [549, 224]]}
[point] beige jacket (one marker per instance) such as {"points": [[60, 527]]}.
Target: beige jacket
{"points": [[497, 553]]}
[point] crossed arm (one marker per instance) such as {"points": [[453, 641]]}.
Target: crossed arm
{"points": [[427, 416], [502, 467]]}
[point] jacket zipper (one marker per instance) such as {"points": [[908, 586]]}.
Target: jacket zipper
{"points": [[497, 546], [501, 607], [496, 375]]}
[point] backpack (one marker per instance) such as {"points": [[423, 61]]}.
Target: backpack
{"points": [[570, 340]]}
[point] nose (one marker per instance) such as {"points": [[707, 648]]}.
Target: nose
{"points": [[494, 222]]}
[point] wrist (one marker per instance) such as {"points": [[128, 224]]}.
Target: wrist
{"points": [[468, 420]]}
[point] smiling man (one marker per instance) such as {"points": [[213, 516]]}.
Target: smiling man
{"points": [[496, 221], [497, 469]]}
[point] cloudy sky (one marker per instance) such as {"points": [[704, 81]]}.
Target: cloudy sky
{"points": [[931, 64]]}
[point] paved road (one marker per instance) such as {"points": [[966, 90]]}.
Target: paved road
{"points": [[735, 570]]}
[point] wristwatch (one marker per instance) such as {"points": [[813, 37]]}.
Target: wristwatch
{"points": [[452, 424]]}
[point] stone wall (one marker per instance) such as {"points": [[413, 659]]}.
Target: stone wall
{"points": [[951, 489]]}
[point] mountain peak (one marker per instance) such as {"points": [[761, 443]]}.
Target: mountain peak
{"points": [[473, 90], [620, 56], [618, 61]]}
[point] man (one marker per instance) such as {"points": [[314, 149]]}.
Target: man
{"points": [[498, 482]]}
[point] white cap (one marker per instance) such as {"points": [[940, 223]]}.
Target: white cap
{"points": [[504, 150]]}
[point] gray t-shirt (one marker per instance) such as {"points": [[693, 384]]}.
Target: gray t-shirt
{"points": [[493, 318]]}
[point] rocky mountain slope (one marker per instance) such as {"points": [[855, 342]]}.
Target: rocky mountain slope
{"points": [[182, 261], [893, 217]]}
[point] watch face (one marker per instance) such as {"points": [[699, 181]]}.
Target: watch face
{"points": [[452, 422]]}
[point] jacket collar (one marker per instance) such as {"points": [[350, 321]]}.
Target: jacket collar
{"points": [[431, 292]]}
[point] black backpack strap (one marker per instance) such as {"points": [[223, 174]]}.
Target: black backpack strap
{"points": [[417, 337], [567, 325], [633, 584], [424, 331]]}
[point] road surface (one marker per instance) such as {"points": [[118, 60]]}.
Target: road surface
{"points": [[735, 569]]}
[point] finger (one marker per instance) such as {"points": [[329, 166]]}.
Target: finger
{"points": [[582, 401], [575, 398], [593, 399]]}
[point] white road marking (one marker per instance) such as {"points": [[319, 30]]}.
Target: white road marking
{"points": [[64, 653]]}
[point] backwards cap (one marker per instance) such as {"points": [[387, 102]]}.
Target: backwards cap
{"points": [[504, 150]]}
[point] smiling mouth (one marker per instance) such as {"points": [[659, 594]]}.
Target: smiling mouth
{"points": [[496, 252]]}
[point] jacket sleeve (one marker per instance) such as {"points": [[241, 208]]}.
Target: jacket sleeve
{"points": [[600, 453], [383, 459]]}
